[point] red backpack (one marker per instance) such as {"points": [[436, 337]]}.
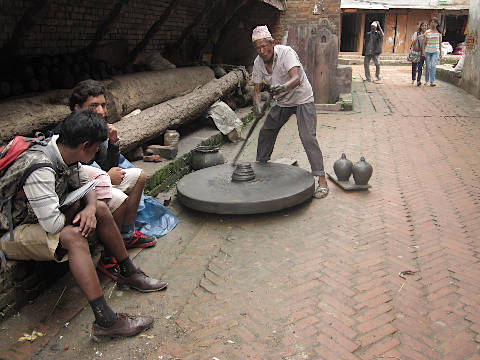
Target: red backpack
{"points": [[9, 152]]}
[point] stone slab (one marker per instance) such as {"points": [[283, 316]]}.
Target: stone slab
{"points": [[275, 187]]}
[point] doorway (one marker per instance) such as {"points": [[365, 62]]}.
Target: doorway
{"points": [[455, 29], [349, 33]]}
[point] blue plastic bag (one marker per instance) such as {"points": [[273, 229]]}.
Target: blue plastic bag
{"points": [[153, 219]]}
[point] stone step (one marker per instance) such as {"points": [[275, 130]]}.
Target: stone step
{"points": [[359, 61]]}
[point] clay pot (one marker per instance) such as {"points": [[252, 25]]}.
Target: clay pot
{"points": [[171, 138], [206, 156], [243, 172], [343, 168], [362, 171]]}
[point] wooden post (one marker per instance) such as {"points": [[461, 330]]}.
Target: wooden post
{"points": [[362, 32]]}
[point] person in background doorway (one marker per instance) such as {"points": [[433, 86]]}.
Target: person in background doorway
{"points": [[372, 48], [418, 39], [432, 50]]}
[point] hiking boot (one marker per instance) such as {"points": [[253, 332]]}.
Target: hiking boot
{"points": [[125, 325], [109, 266], [141, 282], [139, 240]]}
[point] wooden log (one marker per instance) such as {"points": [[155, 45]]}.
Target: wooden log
{"points": [[30, 113], [153, 121], [27, 114], [142, 90]]}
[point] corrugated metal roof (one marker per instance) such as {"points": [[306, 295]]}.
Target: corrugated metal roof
{"points": [[406, 4], [279, 4]]}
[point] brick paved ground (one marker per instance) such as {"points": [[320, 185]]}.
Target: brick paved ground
{"points": [[321, 281]]}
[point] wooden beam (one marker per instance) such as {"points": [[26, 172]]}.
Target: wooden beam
{"points": [[153, 30], [23, 26], [215, 31], [207, 9], [105, 27]]}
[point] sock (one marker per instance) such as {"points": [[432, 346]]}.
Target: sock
{"points": [[104, 315], [127, 231], [126, 267]]}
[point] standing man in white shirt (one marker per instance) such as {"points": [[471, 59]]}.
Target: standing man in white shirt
{"points": [[280, 67]]}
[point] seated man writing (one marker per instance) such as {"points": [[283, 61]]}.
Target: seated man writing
{"points": [[42, 231], [120, 188]]}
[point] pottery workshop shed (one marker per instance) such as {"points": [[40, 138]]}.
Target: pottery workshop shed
{"points": [[399, 19], [50, 44]]}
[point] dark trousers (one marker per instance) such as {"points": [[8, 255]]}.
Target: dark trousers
{"points": [[417, 69], [307, 129], [366, 65]]}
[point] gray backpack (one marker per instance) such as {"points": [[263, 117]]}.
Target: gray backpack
{"points": [[19, 160]]}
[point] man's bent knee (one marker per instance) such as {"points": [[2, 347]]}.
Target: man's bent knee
{"points": [[71, 236], [102, 209], [141, 179]]}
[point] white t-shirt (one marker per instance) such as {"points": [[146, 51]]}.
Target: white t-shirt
{"points": [[284, 58]]}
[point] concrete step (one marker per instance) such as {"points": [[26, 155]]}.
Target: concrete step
{"points": [[388, 59]]}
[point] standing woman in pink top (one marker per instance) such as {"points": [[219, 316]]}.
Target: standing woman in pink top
{"points": [[432, 50]]}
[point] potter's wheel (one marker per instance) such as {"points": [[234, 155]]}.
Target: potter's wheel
{"points": [[274, 187]]}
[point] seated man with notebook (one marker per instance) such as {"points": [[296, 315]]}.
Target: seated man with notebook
{"points": [[120, 189], [43, 231]]}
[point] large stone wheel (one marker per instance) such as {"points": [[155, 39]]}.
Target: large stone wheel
{"points": [[275, 187]]}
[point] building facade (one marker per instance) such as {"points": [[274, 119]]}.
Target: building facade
{"points": [[399, 19]]}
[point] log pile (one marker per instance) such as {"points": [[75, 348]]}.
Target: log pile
{"points": [[153, 121], [26, 115]]}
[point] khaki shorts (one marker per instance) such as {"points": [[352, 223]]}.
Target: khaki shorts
{"points": [[120, 192], [31, 242]]}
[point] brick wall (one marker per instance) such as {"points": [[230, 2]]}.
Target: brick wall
{"points": [[301, 11], [470, 75], [63, 26]]}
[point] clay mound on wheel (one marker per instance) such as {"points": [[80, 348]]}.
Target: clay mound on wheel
{"points": [[275, 187]]}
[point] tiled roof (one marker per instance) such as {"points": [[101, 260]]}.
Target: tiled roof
{"points": [[405, 4]]}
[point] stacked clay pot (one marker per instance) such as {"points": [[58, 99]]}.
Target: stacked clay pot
{"points": [[362, 170]]}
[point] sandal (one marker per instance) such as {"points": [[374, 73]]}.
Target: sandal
{"points": [[321, 192]]}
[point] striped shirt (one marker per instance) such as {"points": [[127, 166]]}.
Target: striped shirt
{"points": [[432, 41], [39, 189]]}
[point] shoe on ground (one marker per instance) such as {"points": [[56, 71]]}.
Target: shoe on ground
{"points": [[433, 84], [321, 192], [126, 325], [413, 82], [139, 240], [419, 83], [109, 266], [141, 282]]}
